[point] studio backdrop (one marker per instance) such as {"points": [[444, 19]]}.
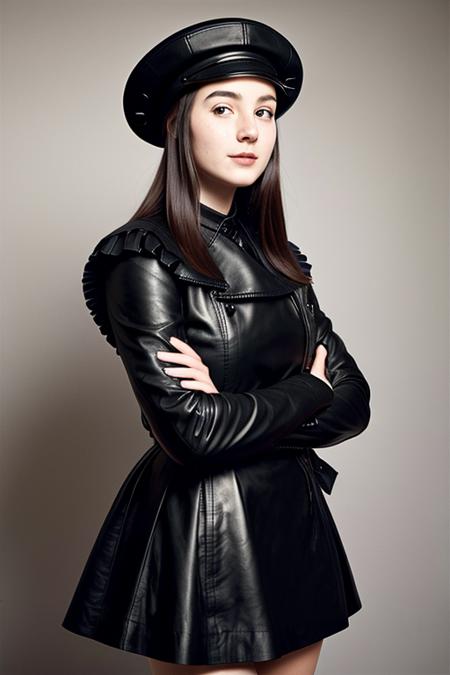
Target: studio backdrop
{"points": [[364, 160]]}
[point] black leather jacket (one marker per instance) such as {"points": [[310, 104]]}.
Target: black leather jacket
{"points": [[220, 535], [140, 292]]}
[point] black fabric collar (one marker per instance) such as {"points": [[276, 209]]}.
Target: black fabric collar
{"points": [[214, 224], [214, 220]]}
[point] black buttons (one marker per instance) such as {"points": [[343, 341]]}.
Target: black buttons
{"points": [[230, 308]]}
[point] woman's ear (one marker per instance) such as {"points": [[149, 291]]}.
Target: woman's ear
{"points": [[170, 121]]}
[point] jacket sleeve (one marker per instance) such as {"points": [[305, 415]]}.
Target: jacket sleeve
{"points": [[349, 413], [145, 310]]}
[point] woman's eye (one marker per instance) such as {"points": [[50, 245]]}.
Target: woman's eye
{"points": [[225, 107], [266, 110], [221, 107]]}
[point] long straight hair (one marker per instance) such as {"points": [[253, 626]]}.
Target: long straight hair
{"points": [[175, 192]]}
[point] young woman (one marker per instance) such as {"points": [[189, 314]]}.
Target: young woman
{"points": [[219, 553]]}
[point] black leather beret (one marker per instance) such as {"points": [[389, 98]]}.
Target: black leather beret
{"points": [[204, 52]]}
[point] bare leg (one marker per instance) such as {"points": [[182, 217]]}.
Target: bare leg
{"points": [[165, 668], [300, 662]]}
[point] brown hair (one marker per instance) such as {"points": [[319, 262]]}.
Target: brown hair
{"points": [[175, 191]]}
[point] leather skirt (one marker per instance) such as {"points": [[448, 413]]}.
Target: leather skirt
{"points": [[235, 564]]}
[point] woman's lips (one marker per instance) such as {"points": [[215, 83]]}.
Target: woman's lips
{"points": [[244, 160]]}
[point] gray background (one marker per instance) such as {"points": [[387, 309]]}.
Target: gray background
{"points": [[365, 181]]}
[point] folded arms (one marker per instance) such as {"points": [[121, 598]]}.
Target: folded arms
{"points": [[144, 308]]}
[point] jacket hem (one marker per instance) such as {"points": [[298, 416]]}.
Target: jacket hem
{"points": [[261, 652]]}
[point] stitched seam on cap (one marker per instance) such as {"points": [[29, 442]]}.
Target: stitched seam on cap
{"points": [[245, 31]]}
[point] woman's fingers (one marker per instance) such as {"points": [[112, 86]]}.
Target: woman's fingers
{"points": [[320, 356], [183, 347], [321, 352], [207, 387], [187, 355], [194, 367], [185, 359], [195, 373], [318, 367]]}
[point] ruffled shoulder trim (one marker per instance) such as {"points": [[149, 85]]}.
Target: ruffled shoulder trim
{"points": [[301, 258], [146, 237]]}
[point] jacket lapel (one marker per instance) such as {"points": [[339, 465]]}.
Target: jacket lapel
{"points": [[253, 276], [250, 277]]}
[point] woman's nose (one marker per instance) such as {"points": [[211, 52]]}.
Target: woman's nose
{"points": [[247, 128]]}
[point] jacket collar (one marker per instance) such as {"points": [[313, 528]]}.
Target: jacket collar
{"points": [[255, 276], [213, 221]]}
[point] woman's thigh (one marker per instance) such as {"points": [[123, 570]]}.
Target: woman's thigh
{"points": [[164, 668], [300, 662]]}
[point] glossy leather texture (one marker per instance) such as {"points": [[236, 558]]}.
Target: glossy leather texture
{"points": [[208, 51], [220, 546]]}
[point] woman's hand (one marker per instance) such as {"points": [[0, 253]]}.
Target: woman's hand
{"points": [[318, 366], [194, 367]]}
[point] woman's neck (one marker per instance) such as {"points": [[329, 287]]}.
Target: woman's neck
{"points": [[221, 203]]}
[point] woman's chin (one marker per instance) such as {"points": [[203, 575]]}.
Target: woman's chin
{"points": [[244, 178]]}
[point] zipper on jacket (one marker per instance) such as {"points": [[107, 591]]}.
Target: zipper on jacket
{"points": [[257, 294]]}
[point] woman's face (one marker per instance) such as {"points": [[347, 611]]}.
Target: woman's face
{"points": [[229, 117]]}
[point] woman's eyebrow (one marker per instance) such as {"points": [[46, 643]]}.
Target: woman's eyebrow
{"points": [[233, 94]]}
